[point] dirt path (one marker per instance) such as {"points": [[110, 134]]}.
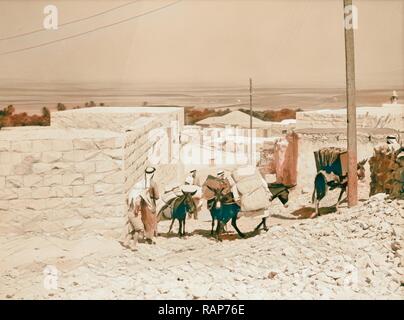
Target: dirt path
{"points": [[341, 255]]}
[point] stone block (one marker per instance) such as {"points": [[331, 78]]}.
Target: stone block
{"points": [[115, 177], [8, 194], [18, 204], [51, 156], [37, 204], [56, 204], [93, 178], [116, 154], [41, 168], [62, 168], [84, 144], [52, 180], [4, 205], [21, 146], [62, 145], [32, 180], [103, 201], [85, 167], [106, 166], [10, 157], [61, 191], [5, 145], [32, 157], [75, 156], [98, 155], [109, 143], [42, 145], [14, 182], [40, 193], [24, 168], [82, 191], [105, 188], [24, 193], [73, 179]]}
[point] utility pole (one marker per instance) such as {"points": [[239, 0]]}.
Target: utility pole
{"points": [[251, 135], [351, 105]]}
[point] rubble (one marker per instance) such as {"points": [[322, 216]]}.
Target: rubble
{"points": [[356, 254], [387, 171]]}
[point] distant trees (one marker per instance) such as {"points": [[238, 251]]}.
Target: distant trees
{"points": [[8, 118], [90, 104], [273, 115], [8, 111], [45, 112], [60, 107], [193, 115]]}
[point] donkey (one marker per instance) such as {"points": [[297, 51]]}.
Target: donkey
{"points": [[182, 206], [223, 208], [280, 191], [323, 181]]}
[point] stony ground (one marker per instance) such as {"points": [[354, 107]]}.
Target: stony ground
{"points": [[353, 253]]}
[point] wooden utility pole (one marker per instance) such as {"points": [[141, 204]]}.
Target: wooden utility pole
{"points": [[251, 135], [351, 106]]}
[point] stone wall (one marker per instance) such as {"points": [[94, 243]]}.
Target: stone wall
{"points": [[147, 143], [115, 118], [149, 136], [79, 171], [310, 140], [73, 170], [391, 116]]}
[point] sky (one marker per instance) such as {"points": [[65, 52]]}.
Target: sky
{"points": [[279, 43]]}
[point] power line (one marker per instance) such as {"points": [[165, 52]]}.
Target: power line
{"points": [[92, 30], [70, 22]]}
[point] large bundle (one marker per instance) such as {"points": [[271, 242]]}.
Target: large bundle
{"points": [[332, 159], [387, 172], [253, 189], [165, 206], [214, 183]]}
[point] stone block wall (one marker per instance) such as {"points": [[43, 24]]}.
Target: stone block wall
{"points": [[49, 170], [147, 144], [391, 116], [67, 173], [149, 133], [115, 118]]}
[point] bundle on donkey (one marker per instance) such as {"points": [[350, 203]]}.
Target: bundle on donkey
{"points": [[178, 207], [221, 204], [256, 197], [332, 173]]}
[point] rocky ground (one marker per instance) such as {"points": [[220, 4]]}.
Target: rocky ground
{"points": [[353, 253]]}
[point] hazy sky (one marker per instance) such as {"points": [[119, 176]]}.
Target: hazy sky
{"points": [[277, 42]]}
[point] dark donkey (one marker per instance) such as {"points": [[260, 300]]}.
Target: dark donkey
{"points": [[223, 208], [324, 181], [182, 206], [280, 191]]}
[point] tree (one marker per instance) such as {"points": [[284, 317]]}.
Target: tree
{"points": [[45, 112], [9, 110], [61, 107]]}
